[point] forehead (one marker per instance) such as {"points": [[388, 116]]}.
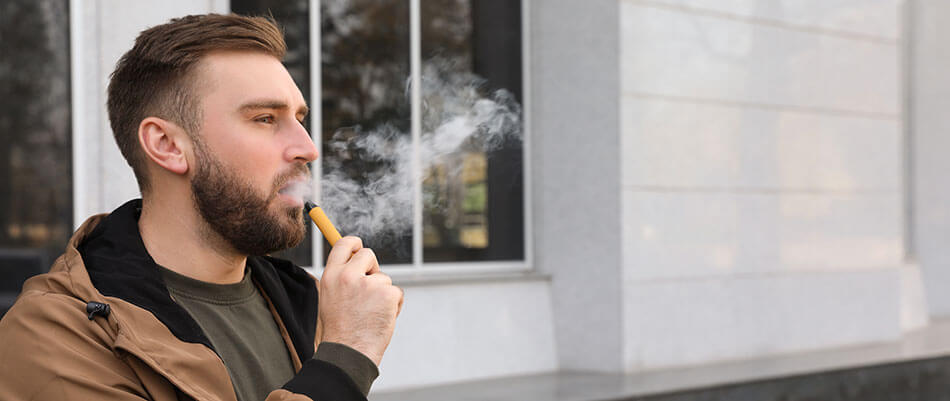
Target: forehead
{"points": [[231, 78]]}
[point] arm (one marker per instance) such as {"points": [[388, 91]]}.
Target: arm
{"points": [[357, 314]]}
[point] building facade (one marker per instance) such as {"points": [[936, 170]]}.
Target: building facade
{"points": [[702, 182]]}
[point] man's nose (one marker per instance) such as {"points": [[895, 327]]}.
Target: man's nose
{"points": [[301, 146]]}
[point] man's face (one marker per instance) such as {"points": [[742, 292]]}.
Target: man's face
{"points": [[251, 149]]}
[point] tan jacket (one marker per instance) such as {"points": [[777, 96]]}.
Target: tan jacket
{"points": [[52, 349]]}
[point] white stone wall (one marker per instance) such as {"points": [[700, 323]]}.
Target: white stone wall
{"points": [[468, 331], [929, 88], [762, 177]]}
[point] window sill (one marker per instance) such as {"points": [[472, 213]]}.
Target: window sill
{"points": [[420, 279]]}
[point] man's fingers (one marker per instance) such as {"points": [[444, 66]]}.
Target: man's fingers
{"points": [[343, 250], [393, 293], [380, 277], [365, 260]]}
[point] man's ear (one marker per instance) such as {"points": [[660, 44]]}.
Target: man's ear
{"points": [[165, 143]]}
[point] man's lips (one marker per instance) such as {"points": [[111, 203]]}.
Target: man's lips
{"points": [[295, 181], [296, 189], [291, 185]]}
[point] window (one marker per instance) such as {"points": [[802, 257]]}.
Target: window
{"points": [[35, 155], [426, 174]]}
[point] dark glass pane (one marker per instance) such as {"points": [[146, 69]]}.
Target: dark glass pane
{"points": [[36, 189], [293, 17], [472, 130], [366, 123]]}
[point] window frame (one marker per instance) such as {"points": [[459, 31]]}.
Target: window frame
{"points": [[418, 267]]}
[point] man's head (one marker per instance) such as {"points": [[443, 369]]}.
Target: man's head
{"points": [[158, 76], [202, 107]]}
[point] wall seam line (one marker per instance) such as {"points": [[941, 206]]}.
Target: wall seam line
{"points": [[771, 22], [764, 106]]}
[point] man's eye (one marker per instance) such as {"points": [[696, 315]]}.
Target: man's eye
{"points": [[265, 119]]}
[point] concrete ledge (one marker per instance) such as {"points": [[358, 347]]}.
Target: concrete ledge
{"points": [[928, 346]]}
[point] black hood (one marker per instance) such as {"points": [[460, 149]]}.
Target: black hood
{"points": [[119, 266]]}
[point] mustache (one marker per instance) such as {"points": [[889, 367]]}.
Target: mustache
{"points": [[297, 172]]}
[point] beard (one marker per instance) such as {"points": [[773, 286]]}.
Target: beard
{"points": [[239, 214]]}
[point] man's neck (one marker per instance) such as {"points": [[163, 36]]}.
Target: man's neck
{"points": [[178, 239]]}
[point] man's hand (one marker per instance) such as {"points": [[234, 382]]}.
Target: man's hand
{"points": [[358, 303]]}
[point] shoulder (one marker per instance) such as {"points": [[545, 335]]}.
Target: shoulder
{"points": [[46, 337], [47, 321]]}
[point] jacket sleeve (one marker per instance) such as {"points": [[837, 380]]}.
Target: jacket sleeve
{"points": [[318, 380], [48, 352], [357, 366]]}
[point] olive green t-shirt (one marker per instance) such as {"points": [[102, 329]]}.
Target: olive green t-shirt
{"points": [[240, 326]]}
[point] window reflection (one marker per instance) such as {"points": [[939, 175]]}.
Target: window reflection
{"points": [[35, 156], [473, 208], [366, 122]]}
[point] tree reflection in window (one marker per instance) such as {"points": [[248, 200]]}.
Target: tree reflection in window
{"points": [[365, 65], [477, 210], [35, 146]]}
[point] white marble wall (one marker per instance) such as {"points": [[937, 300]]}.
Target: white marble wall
{"points": [[698, 321], [868, 18], [762, 177], [469, 331]]}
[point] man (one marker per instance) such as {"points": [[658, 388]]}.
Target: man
{"points": [[172, 297]]}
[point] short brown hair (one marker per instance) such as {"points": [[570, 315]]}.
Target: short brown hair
{"points": [[156, 77]]}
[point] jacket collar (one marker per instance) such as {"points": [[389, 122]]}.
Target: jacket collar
{"points": [[119, 266]]}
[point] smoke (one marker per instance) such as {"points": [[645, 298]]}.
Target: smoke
{"points": [[457, 116], [300, 189]]}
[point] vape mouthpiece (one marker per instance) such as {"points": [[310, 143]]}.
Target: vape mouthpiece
{"points": [[323, 222]]}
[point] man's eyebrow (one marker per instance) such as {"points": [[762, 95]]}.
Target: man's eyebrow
{"points": [[271, 104]]}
